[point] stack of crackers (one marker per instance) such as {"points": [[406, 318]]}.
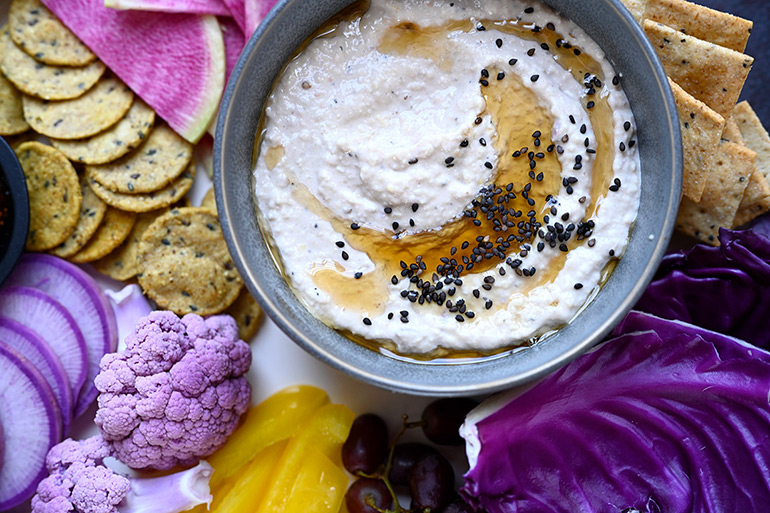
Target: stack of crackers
{"points": [[110, 187], [726, 148]]}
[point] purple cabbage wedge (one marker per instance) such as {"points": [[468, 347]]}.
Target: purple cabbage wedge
{"points": [[82, 297], [724, 289], [666, 417]]}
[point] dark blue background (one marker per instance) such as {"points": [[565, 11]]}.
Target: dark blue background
{"points": [[757, 88]]}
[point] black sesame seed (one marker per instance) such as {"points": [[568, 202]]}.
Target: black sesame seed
{"points": [[354, 226], [615, 80], [631, 143], [395, 225], [345, 255], [485, 73], [612, 252], [412, 161], [459, 318], [449, 160], [529, 10], [513, 62], [499, 42], [534, 78], [483, 141], [394, 280], [340, 244], [481, 28], [627, 126], [358, 275], [590, 105], [464, 143], [572, 119], [536, 134], [622, 146], [478, 120], [531, 52], [500, 76], [578, 286], [483, 82], [544, 46], [388, 210], [367, 321], [488, 165], [583, 129], [576, 51], [550, 26]]}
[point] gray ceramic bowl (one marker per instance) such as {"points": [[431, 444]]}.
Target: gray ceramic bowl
{"points": [[613, 28]]}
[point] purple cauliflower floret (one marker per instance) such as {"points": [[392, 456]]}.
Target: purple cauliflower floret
{"points": [[176, 392], [79, 482]]}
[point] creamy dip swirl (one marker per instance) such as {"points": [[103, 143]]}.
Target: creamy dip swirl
{"points": [[381, 143]]}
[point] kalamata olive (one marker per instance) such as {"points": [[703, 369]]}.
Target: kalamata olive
{"points": [[431, 484], [442, 419], [364, 491], [366, 447], [404, 457]]}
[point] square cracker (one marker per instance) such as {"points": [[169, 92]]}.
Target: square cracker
{"points": [[711, 73], [701, 131], [726, 184], [732, 133], [696, 20], [756, 199]]}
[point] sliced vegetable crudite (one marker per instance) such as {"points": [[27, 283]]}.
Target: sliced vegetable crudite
{"points": [[84, 300], [49, 319], [42, 357], [665, 417], [187, 50], [31, 423], [216, 7]]}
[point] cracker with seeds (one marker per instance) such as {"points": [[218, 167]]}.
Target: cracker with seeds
{"points": [[114, 142], [97, 110], [11, 111], [38, 32], [726, 184], [123, 262], [246, 313], [152, 166], [92, 211], [698, 21], [709, 72], [756, 200], [144, 202], [210, 200], [701, 130], [114, 229], [54, 195], [187, 267], [41, 80], [636, 7]]}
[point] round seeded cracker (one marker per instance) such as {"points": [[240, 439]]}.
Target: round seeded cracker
{"points": [[54, 195], [246, 313], [114, 229], [152, 166], [123, 263], [38, 32], [92, 211], [187, 267], [41, 80], [145, 202], [11, 112], [100, 108], [114, 142]]}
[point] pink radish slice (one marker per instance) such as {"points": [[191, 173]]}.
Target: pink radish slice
{"points": [[254, 12], [32, 423], [82, 297], [185, 50], [38, 352], [49, 319], [236, 8], [234, 43], [216, 7]]}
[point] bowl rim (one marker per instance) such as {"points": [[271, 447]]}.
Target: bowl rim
{"points": [[17, 185], [283, 319]]}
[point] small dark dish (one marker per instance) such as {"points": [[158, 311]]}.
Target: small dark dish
{"points": [[624, 43], [14, 210]]}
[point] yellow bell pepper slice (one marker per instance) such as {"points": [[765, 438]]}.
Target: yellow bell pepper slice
{"points": [[276, 418], [325, 433], [248, 490], [319, 487]]}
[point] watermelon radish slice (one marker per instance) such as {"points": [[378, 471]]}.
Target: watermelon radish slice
{"points": [[237, 11], [32, 425], [29, 344], [254, 12], [82, 297], [49, 319], [215, 7], [234, 43], [174, 62]]}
